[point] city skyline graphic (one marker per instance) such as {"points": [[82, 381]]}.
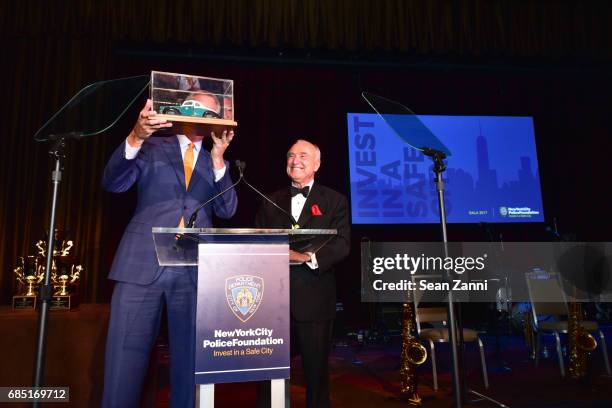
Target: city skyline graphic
{"points": [[492, 173]]}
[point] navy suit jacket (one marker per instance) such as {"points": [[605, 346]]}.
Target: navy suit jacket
{"points": [[313, 292], [157, 171]]}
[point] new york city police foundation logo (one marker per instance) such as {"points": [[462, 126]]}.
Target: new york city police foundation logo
{"points": [[244, 294]]}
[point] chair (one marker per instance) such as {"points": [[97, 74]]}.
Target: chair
{"points": [[437, 316], [547, 298]]}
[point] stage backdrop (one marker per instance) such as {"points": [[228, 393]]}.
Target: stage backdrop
{"points": [[299, 68]]}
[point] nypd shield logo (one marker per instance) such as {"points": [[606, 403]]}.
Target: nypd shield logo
{"points": [[244, 294]]}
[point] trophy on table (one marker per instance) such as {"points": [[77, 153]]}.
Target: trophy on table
{"points": [[64, 276], [29, 272], [65, 273], [61, 247]]}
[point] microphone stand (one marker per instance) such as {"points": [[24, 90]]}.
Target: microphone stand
{"points": [[194, 215], [438, 168], [454, 327], [241, 166], [181, 238], [58, 152]]}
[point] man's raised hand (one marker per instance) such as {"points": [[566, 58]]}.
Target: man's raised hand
{"points": [[146, 125]]}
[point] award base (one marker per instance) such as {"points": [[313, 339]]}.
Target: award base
{"points": [[64, 302], [188, 125], [24, 302]]}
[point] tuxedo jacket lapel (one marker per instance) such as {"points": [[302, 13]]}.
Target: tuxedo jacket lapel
{"points": [[173, 150], [314, 197]]}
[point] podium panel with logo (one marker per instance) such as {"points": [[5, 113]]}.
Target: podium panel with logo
{"points": [[242, 320]]}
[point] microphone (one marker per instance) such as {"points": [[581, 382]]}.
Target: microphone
{"points": [[180, 241], [194, 215], [241, 166], [293, 220]]}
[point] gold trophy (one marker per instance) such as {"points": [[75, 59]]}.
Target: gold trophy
{"points": [[64, 276], [30, 272], [64, 273], [60, 247]]}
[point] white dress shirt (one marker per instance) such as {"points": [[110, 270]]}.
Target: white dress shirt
{"points": [[131, 152], [297, 205]]}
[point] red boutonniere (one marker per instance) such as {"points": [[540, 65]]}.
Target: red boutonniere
{"points": [[315, 210]]}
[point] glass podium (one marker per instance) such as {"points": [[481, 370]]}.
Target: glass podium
{"points": [[179, 246], [243, 316]]}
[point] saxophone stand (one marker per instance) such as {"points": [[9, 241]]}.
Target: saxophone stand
{"points": [[454, 325]]}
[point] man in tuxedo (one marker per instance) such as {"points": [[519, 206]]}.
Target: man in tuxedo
{"points": [[312, 279], [172, 175]]}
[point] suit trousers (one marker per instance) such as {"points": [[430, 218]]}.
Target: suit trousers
{"points": [[312, 341], [133, 328]]}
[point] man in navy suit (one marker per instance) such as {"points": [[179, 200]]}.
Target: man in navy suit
{"points": [[312, 279], [172, 175]]}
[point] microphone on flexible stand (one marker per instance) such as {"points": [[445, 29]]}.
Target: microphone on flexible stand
{"points": [[192, 219], [183, 238], [240, 165], [293, 220]]}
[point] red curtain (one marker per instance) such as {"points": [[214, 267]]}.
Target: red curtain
{"points": [[51, 52]]}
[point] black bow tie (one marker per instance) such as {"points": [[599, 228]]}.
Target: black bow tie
{"points": [[304, 191]]}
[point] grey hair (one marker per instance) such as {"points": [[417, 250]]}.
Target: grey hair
{"points": [[317, 150]]}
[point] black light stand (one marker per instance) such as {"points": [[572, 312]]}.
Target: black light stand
{"points": [[46, 289], [414, 133], [438, 168], [458, 386], [498, 318]]}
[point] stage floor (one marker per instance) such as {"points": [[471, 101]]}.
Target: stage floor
{"points": [[362, 375], [367, 376]]}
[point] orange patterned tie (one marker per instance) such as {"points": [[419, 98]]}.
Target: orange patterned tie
{"points": [[188, 164], [188, 168]]}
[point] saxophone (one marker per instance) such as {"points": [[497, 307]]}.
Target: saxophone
{"points": [[580, 342], [413, 355]]}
